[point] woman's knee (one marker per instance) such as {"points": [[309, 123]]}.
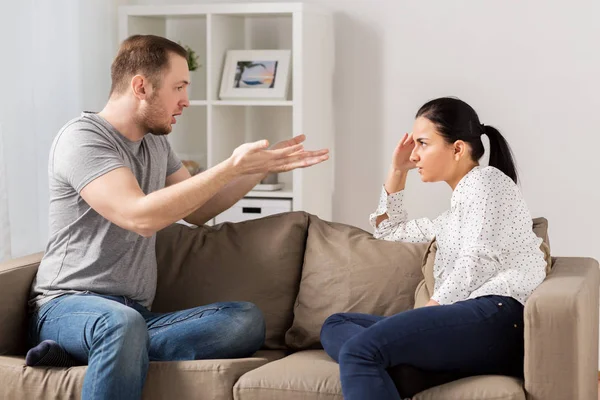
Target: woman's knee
{"points": [[332, 321], [362, 347], [335, 319], [328, 327]]}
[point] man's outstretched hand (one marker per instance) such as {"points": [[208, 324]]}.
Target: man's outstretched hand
{"points": [[252, 158], [310, 157]]}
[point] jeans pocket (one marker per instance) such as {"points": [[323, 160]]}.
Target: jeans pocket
{"points": [[488, 306]]}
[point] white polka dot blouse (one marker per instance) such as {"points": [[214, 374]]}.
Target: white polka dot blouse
{"points": [[486, 245]]}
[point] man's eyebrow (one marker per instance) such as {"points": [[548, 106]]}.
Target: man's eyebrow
{"points": [[183, 81]]}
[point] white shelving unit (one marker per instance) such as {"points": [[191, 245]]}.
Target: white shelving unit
{"points": [[210, 129]]}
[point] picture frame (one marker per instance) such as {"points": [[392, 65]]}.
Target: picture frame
{"points": [[256, 75]]}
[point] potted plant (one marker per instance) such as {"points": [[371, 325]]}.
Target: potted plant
{"points": [[192, 58], [192, 61]]}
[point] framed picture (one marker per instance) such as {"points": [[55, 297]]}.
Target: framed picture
{"points": [[256, 74]]}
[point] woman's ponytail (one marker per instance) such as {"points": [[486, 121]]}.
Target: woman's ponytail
{"points": [[501, 155]]}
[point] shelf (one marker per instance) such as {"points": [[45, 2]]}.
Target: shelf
{"points": [[237, 9], [212, 128], [269, 103], [285, 193]]}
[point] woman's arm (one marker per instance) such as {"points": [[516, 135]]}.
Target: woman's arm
{"points": [[432, 302], [390, 220], [396, 181]]}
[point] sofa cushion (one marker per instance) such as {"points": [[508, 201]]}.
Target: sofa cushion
{"points": [[540, 228], [201, 380], [312, 374], [309, 374], [347, 270], [425, 288], [257, 261], [15, 284], [485, 387]]}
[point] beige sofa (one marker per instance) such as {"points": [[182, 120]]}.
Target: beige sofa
{"points": [[299, 269]]}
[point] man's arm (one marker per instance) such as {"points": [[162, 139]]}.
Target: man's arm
{"points": [[230, 194], [117, 196], [239, 187]]}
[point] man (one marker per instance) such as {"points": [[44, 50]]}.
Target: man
{"points": [[114, 182]]}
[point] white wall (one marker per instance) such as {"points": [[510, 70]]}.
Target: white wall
{"points": [[56, 59], [16, 106], [528, 68]]}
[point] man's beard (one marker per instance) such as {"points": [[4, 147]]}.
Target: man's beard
{"points": [[150, 121]]}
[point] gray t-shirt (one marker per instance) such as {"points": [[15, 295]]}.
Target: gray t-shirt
{"points": [[85, 251]]}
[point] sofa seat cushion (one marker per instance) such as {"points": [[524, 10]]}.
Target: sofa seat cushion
{"points": [[309, 374], [312, 374], [202, 380], [484, 387]]}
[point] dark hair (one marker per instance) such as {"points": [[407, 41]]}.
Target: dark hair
{"points": [[142, 54], [456, 120]]}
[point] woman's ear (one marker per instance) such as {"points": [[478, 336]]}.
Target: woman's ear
{"points": [[460, 149]]}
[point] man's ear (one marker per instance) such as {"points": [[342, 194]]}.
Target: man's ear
{"points": [[460, 149], [139, 86]]}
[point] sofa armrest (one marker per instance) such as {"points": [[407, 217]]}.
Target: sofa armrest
{"points": [[15, 283], [561, 332]]}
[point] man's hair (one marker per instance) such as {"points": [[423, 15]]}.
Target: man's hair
{"points": [[146, 55]]}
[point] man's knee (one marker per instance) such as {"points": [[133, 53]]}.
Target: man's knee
{"points": [[126, 325], [247, 326]]}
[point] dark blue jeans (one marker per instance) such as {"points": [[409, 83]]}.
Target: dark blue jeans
{"points": [[117, 337], [471, 337]]}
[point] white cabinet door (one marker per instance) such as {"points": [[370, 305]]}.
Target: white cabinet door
{"points": [[247, 209]]}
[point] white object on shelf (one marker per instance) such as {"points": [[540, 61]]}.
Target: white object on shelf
{"points": [[268, 187], [285, 193], [247, 209], [184, 222], [270, 103], [216, 127]]}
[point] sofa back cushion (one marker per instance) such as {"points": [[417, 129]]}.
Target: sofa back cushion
{"points": [[347, 270], [425, 288], [257, 261]]}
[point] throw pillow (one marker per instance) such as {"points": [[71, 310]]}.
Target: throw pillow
{"points": [[347, 270], [257, 261]]}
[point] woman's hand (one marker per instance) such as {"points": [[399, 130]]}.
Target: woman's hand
{"points": [[401, 159], [432, 302], [401, 164]]}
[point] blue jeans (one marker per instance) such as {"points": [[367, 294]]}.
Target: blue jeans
{"points": [[117, 337], [471, 337]]}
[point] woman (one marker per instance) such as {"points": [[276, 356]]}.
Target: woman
{"points": [[487, 264]]}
